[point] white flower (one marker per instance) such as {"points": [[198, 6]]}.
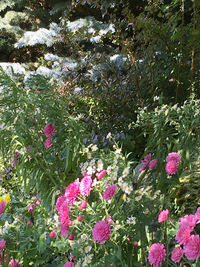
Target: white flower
{"points": [[124, 187], [131, 220], [94, 148], [88, 258], [129, 190], [108, 136], [125, 172], [138, 198], [92, 162], [87, 249], [90, 170], [83, 236], [118, 151], [120, 181], [124, 197], [109, 170]]}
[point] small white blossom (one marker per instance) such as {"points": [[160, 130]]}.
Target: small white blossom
{"points": [[131, 220]]}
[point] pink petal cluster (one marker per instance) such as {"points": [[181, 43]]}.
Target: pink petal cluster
{"points": [[163, 215], [72, 191], [173, 156], [48, 142], [64, 229], [83, 204], [52, 234], [147, 162], [59, 202], [101, 232], [2, 244], [172, 160], [14, 263], [157, 254], [101, 174], [69, 264], [192, 247], [64, 213], [86, 185], [109, 192], [49, 130], [2, 206], [176, 254], [183, 234]]}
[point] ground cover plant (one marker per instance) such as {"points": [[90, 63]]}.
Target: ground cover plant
{"points": [[98, 128]]}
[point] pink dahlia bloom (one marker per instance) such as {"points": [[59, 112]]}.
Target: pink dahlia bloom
{"points": [[101, 232], [183, 234], [72, 191], [145, 162], [163, 216], [14, 263], [59, 202], [197, 214], [64, 213], [83, 204], [49, 130], [69, 264], [64, 229], [101, 174], [157, 253], [2, 206], [192, 247], [109, 192], [48, 142], [173, 156], [188, 221], [176, 254], [86, 185], [152, 164], [2, 244], [171, 167]]}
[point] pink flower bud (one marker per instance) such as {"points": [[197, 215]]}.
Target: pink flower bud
{"points": [[71, 237], [29, 223], [83, 204], [101, 174], [52, 234], [135, 243], [79, 218], [109, 219]]}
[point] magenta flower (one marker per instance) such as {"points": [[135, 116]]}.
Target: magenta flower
{"points": [[109, 192], [101, 232], [188, 221], [79, 218], [183, 234], [59, 202], [48, 142], [152, 164], [163, 216], [29, 223], [173, 156], [83, 205], [49, 130], [64, 229], [86, 185], [109, 219], [64, 213], [197, 214], [101, 174], [192, 247], [176, 254], [69, 264], [2, 244], [30, 208], [71, 237], [2, 206], [145, 162], [14, 263], [171, 167], [157, 253], [72, 191], [52, 234]]}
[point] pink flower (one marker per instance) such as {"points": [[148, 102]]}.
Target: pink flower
{"points": [[197, 214], [85, 185], [2, 206], [101, 174], [64, 229], [68, 264], [79, 218], [163, 216], [48, 142], [83, 204], [192, 247], [176, 254], [64, 213], [145, 162], [144, 166], [101, 231], [70, 222], [109, 192], [171, 167], [59, 202], [30, 208], [188, 221], [29, 223], [2, 244], [173, 156], [109, 219], [135, 243], [71, 237], [52, 234], [14, 263], [72, 257], [157, 253], [183, 234], [49, 130], [72, 191], [152, 164]]}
